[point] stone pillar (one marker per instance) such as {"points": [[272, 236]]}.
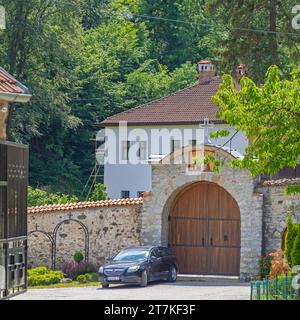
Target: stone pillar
{"points": [[3, 119]]}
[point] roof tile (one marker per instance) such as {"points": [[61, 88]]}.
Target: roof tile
{"points": [[281, 182], [83, 205], [8, 84], [190, 105]]}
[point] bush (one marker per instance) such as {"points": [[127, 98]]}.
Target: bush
{"points": [[99, 193], [290, 238], [40, 197], [73, 269], [78, 257], [279, 264], [42, 276], [295, 254], [88, 277], [265, 266]]}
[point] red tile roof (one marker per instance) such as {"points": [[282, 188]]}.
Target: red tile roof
{"points": [[8, 84], [281, 182], [187, 106], [85, 205]]}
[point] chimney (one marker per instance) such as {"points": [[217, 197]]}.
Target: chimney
{"points": [[241, 71], [206, 71]]}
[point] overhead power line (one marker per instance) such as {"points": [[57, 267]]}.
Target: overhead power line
{"points": [[229, 28]]}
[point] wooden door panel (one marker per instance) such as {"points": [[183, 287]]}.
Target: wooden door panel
{"points": [[192, 259], [224, 233], [188, 232], [204, 230], [224, 261]]}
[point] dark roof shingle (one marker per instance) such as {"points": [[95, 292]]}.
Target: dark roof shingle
{"points": [[187, 106]]}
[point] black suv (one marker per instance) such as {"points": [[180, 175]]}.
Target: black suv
{"points": [[139, 265]]}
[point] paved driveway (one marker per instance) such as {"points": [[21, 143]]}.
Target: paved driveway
{"points": [[182, 290]]}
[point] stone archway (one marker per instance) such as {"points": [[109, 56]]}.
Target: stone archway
{"points": [[169, 180], [204, 230]]}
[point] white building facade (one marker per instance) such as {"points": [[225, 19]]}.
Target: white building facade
{"points": [[154, 130]]}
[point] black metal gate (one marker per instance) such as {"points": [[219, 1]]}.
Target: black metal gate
{"points": [[13, 218]]}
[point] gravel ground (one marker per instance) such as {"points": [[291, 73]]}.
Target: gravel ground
{"points": [[209, 289]]}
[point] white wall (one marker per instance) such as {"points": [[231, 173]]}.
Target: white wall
{"points": [[137, 177]]}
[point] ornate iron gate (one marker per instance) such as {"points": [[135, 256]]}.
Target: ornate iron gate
{"points": [[13, 218]]}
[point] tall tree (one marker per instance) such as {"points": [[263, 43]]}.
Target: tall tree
{"points": [[269, 116], [253, 34]]}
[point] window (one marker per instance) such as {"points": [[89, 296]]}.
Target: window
{"points": [[140, 194], [163, 252], [154, 253], [142, 151], [175, 144], [125, 150], [125, 194], [166, 252]]}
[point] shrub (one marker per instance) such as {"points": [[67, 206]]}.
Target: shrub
{"points": [[78, 257], [42, 276], [295, 254], [265, 266], [39, 197], [88, 277], [290, 238], [99, 193], [279, 264], [73, 269]]}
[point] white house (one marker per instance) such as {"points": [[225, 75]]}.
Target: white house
{"points": [[155, 129]]}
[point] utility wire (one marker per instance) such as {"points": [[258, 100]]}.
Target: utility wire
{"points": [[229, 28]]}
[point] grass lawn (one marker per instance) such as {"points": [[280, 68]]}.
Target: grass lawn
{"points": [[73, 284]]}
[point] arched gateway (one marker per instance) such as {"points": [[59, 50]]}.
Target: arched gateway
{"points": [[204, 230], [213, 221]]}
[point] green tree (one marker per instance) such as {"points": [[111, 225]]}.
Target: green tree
{"points": [[268, 115], [99, 193], [295, 254], [290, 238], [246, 43], [38, 47], [176, 36]]}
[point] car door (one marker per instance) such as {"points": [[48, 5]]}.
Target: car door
{"points": [[155, 264], [166, 261]]}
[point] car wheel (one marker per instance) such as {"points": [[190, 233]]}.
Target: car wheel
{"points": [[144, 280], [172, 274], [105, 285]]}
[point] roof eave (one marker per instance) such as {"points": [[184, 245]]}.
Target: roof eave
{"points": [[114, 124], [15, 97]]}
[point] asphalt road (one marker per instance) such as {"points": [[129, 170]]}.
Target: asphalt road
{"points": [[209, 289]]}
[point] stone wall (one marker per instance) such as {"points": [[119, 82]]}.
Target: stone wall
{"points": [[276, 207], [109, 228]]}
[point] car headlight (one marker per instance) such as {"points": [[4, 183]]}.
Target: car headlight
{"points": [[101, 269], [133, 269]]}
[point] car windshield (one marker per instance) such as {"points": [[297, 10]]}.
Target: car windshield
{"points": [[131, 255]]}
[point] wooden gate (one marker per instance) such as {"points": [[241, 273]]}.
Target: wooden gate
{"points": [[204, 230]]}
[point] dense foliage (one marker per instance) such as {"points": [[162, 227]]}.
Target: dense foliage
{"points": [[295, 254], [270, 117], [74, 269], [39, 197], [291, 235], [78, 256], [84, 60], [42, 276]]}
